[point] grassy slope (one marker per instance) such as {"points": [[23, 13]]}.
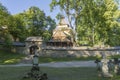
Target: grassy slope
{"points": [[9, 57]]}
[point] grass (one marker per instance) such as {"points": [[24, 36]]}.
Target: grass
{"points": [[7, 57], [115, 56], [53, 59], [17, 73], [60, 59]]}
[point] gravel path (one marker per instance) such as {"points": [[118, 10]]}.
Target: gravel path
{"points": [[59, 64]]}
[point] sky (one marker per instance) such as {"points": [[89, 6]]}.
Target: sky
{"points": [[18, 6]]}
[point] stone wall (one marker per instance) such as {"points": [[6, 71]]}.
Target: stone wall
{"points": [[19, 49], [46, 51], [77, 52]]}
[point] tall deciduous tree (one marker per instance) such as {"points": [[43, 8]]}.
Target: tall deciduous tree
{"points": [[71, 8], [5, 23], [4, 15], [34, 22], [18, 30], [96, 20]]}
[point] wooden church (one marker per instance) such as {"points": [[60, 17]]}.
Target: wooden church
{"points": [[63, 35]]}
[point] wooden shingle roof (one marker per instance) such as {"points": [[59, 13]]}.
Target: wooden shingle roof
{"points": [[33, 38]]}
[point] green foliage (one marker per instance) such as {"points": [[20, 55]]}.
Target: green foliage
{"points": [[50, 24], [102, 24], [4, 16], [5, 22], [18, 30], [7, 41], [34, 22], [96, 21], [7, 57], [71, 8], [47, 36]]}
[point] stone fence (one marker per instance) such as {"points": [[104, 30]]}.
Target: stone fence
{"points": [[78, 51], [70, 51]]}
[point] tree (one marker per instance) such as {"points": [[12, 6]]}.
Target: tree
{"points": [[4, 15], [50, 24], [96, 20], [71, 8], [34, 22], [112, 16], [5, 22], [18, 29], [91, 21]]}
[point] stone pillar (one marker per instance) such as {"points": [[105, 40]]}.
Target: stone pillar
{"points": [[105, 69], [116, 66], [27, 45], [40, 45]]}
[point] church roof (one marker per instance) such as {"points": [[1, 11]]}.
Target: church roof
{"points": [[62, 32], [62, 21], [34, 38]]}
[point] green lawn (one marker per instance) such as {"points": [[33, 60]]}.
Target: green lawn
{"points": [[49, 59], [16, 73], [7, 57]]}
